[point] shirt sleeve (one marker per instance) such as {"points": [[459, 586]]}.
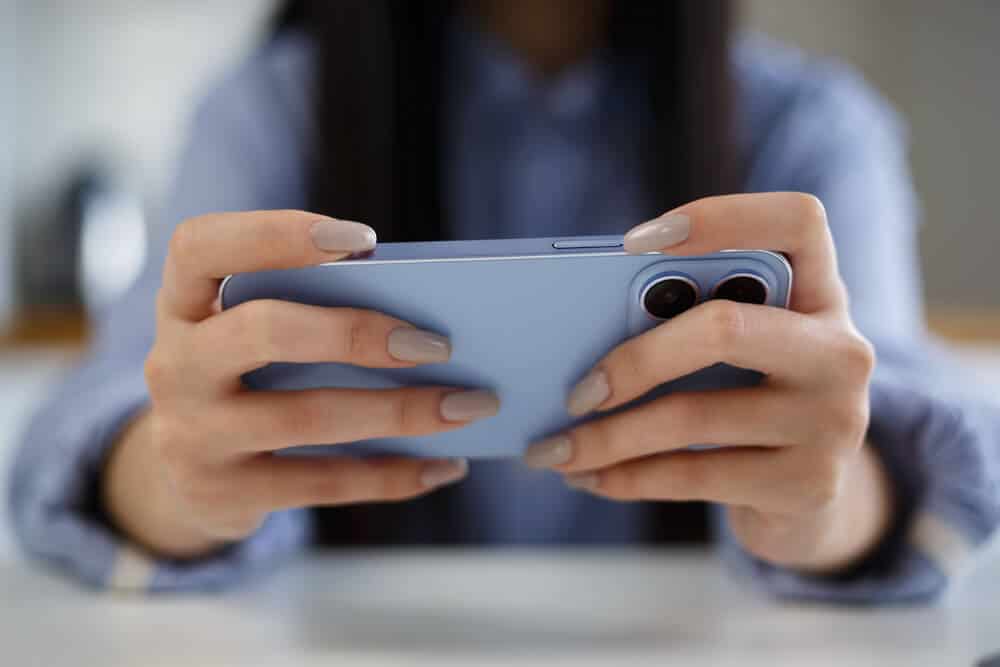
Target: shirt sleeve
{"points": [[937, 436], [233, 160]]}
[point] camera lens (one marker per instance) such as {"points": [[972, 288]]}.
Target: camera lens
{"points": [[669, 296], [743, 288]]}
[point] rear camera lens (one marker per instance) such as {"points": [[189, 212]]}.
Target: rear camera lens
{"points": [[743, 288], [669, 296]]}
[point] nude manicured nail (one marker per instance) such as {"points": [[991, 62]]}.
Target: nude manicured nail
{"points": [[667, 230], [464, 406], [331, 235], [587, 481], [549, 452], [439, 473], [418, 346], [589, 393]]}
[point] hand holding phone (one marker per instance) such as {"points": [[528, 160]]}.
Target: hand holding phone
{"points": [[196, 469], [801, 486]]}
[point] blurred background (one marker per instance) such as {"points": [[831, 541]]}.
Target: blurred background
{"points": [[95, 94]]}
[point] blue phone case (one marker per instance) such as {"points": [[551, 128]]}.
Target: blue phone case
{"points": [[527, 318]]}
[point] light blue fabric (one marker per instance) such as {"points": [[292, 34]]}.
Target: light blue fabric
{"points": [[532, 160]]}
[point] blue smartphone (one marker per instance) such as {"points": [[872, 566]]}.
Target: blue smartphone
{"points": [[527, 318]]}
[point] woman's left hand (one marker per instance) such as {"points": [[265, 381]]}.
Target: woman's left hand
{"points": [[801, 487]]}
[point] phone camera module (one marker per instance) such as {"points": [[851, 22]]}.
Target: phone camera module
{"points": [[743, 288], [669, 296]]}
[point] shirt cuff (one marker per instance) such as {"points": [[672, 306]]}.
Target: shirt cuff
{"points": [[939, 457], [898, 572], [56, 514]]}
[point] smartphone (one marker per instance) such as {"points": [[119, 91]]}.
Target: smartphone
{"points": [[527, 318]]}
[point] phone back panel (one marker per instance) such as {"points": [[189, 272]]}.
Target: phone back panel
{"points": [[524, 319]]}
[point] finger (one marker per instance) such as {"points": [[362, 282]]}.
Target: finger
{"points": [[780, 481], [206, 249], [784, 345], [266, 421], [256, 333], [277, 483], [789, 222], [736, 417]]}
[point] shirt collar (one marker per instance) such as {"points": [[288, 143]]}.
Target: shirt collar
{"points": [[490, 70]]}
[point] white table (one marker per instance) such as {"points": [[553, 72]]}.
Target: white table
{"points": [[486, 608]]}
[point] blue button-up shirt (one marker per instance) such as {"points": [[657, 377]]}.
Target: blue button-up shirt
{"points": [[529, 158]]}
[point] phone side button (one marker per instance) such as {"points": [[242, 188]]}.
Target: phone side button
{"points": [[580, 244]]}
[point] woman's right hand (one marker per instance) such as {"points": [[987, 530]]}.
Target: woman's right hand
{"points": [[196, 469]]}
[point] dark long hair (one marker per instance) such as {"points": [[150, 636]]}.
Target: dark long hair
{"points": [[376, 157], [377, 150]]}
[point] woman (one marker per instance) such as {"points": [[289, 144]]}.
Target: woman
{"points": [[152, 468]]}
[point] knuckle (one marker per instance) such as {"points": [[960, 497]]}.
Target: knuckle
{"points": [[156, 370], [857, 357], [726, 325], [406, 414], [854, 423], [686, 412], [358, 335], [629, 362], [184, 241], [399, 416], [259, 322], [811, 210], [296, 420]]}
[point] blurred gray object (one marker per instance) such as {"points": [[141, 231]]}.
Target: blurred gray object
{"points": [[83, 244], [112, 243]]}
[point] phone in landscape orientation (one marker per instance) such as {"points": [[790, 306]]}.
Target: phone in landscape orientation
{"points": [[527, 318]]}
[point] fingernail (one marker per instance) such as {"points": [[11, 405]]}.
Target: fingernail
{"points": [[331, 235], [667, 230], [418, 346], [439, 473], [463, 406], [590, 392], [549, 452], [587, 481]]}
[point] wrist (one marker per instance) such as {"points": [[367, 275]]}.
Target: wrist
{"points": [[137, 498], [859, 520]]}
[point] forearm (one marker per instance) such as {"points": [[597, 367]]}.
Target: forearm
{"points": [[138, 499]]}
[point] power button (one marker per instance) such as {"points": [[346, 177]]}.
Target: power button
{"points": [[587, 244]]}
